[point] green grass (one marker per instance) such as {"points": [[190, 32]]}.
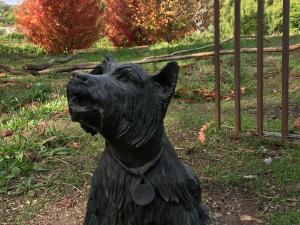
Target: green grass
{"points": [[287, 218], [35, 159]]}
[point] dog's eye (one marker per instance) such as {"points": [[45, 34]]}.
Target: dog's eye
{"points": [[123, 78], [128, 78]]}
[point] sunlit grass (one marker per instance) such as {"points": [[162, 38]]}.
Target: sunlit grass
{"points": [[32, 159]]}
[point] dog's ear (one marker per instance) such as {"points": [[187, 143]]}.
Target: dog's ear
{"points": [[167, 79], [109, 64], [98, 70]]}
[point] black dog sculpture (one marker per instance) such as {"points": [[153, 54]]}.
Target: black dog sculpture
{"points": [[139, 180]]}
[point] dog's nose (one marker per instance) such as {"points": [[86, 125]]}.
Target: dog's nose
{"points": [[80, 76]]}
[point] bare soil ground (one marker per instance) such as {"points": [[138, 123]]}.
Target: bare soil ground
{"points": [[69, 211], [229, 206]]}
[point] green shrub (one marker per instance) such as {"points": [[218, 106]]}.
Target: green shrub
{"points": [[23, 49], [15, 37], [297, 98], [295, 18], [273, 17], [2, 32]]}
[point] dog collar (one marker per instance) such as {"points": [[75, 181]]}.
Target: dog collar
{"points": [[142, 191]]}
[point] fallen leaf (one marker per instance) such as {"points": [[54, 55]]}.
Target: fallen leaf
{"points": [[42, 127], [297, 123], [207, 94], [227, 98], [67, 203], [32, 156], [55, 95], [31, 105], [74, 144], [243, 90], [6, 133], [186, 100], [247, 218], [180, 92], [66, 110], [202, 137], [28, 86], [232, 94]]}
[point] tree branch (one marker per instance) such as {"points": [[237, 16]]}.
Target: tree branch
{"points": [[204, 47], [43, 66], [202, 55]]}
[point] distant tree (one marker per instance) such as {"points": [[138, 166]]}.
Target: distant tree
{"points": [[6, 14], [131, 22], [203, 14], [60, 25]]}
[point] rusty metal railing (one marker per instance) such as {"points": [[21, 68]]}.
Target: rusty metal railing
{"points": [[217, 62], [285, 70], [260, 67]]}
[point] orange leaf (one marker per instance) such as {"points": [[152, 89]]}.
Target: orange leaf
{"points": [[42, 127], [297, 123], [74, 144], [243, 90], [208, 94], [202, 137], [66, 110], [31, 105], [28, 86]]}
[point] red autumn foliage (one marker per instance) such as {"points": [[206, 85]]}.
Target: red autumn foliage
{"points": [[131, 22], [60, 25]]}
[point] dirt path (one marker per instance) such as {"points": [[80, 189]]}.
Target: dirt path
{"points": [[231, 207], [69, 211]]}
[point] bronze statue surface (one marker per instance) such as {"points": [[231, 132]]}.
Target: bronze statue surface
{"points": [[139, 179]]}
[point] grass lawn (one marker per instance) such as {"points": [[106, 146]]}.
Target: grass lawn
{"points": [[46, 161]]}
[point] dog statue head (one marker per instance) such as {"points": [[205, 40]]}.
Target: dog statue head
{"points": [[121, 101]]}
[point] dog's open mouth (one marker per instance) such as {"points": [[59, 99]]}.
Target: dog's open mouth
{"points": [[81, 103], [83, 109]]}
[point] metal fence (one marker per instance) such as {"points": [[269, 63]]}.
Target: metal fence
{"points": [[260, 67]]}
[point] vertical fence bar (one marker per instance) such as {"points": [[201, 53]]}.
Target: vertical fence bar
{"points": [[285, 69], [260, 67], [217, 62], [237, 65]]}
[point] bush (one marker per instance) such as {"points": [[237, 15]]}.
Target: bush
{"points": [[130, 22], [2, 32], [14, 37], [60, 26], [273, 17]]}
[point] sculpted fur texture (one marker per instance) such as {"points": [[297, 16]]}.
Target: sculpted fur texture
{"points": [[139, 179]]}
